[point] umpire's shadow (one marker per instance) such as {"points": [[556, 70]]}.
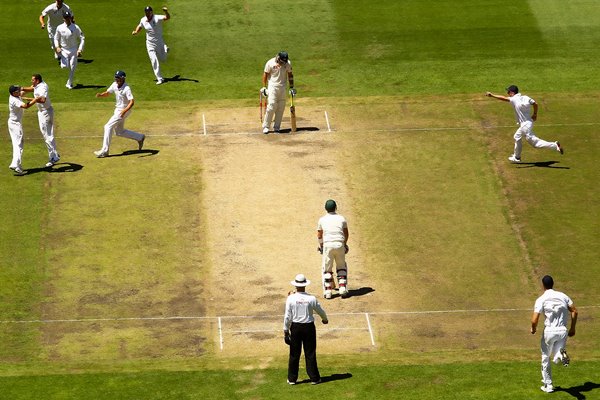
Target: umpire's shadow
{"points": [[330, 378], [576, 391]]}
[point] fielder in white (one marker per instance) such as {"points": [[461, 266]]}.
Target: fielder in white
{"points": [[276, 75], [556, 307], [116, 124], [41, 95], [54, 12], [15, 129], [155, 44], [332, 234], [522, 105], [69, 41]]}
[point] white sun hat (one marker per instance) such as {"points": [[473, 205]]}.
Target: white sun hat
{"points": [[300, 281]]}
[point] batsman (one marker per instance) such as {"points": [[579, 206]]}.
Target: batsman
{"points": [[332, 234], [276, 75]]}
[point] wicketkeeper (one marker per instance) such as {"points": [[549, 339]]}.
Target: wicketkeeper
{"points": [[277, 73], [332, 233]]}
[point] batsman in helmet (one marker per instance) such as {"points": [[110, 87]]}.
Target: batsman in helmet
{"points": [[277, 74], [332, 234]]}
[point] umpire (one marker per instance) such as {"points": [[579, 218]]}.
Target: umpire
{"points": [[299, 330]]}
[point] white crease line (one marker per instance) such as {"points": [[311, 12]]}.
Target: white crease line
{"points": [[370, 330]]}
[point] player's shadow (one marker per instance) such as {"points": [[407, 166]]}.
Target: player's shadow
{"points": [[57, 168], [80, 86], [330, 378], [302, 129], [141, 153], [541, 164], [179, 78], [576, 391], [355, 292], [84, 61]]}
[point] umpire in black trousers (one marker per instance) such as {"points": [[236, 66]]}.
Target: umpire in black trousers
{"points": [[299, 330]]}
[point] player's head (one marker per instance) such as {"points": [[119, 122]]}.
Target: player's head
{"points": [[300, 282], [120, 77], [512, 90], [148, 11], [282, 57], [548, 282], [59, 3], [14, 90], [35, 79], [330, 205], [68, 17]]}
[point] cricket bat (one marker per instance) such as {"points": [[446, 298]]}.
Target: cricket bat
{"points": [[293, 115]]}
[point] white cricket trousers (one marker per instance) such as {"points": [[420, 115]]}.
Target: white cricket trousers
{"points": [[116, 124], [553, 340], [15, 129], [526, 129], [156, 55], [275, 106], [46, 122], [333, 252], [68, 59]]}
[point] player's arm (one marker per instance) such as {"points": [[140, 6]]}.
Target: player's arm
{"points": [[28, 104], [535, 110], [320, 240], [129, 106], [535, 318], [291, 79], [573, 311], [496, 96], [137, 29], [57, 36], [103, 94], [42, 23], [167, 15], [81, 42]]}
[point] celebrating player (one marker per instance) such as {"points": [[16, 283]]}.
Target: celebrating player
{"points": [[55, 13], [68, 42], [155, 44], [15, 129]]}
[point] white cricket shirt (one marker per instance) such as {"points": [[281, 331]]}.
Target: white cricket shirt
{"points": [[122, 95], [299, 308], [69, 37], [14, 109], [332, 225], [522, 105], [555, 307], [154, 32], [55, 15], [278, 74], [42, 90]]}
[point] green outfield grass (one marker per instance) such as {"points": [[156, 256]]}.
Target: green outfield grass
{"points": [[439, 211]]}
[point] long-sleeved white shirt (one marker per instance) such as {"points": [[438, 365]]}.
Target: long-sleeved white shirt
{"points": [[69, 37]]}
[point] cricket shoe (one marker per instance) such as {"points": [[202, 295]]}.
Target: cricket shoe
{"points": [[69, 86], [344, 292], [559, 148], [141, 143], [17, 170], [547, 388], [101, 154], [316, 382], [160, 81], [514, 159], [564, 357], [265, 131], [327, 294], [290, 382], [52, 161]]}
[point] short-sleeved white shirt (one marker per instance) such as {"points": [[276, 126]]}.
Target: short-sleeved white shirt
{"points": [[555, 307], [42, 90], [278, 74], [299, 308], [123, 95], [55, 15], [154, 30], [69, 37], [332, 225], [522, 105], [14, 109]]}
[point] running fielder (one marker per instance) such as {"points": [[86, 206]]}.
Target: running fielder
{"points": [[277, 73], [54, 12], [155, 44], [68, 42], [332, 234]]}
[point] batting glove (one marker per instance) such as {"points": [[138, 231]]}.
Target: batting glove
{"points": [[293, 91], [263, 90]]}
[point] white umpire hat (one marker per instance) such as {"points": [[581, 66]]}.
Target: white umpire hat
{"points": [[300, 281]]}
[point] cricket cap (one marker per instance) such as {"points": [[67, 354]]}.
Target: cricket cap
{"points": [[148, 9], [283, 56], [67, 14], [300, 281], [512, 88], [120, 74], [548, 282], [13, 88], [330, 205]]}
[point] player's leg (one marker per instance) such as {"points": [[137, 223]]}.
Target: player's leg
{"points": [[16, 135], [112, 125], [155, 64], [295, 351], [270, 111], [326, 271], [518, 144], [559, 343], [51, 32], [538, 143], [72, 67], [546, 347], [46, 123], [279, 109]]}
